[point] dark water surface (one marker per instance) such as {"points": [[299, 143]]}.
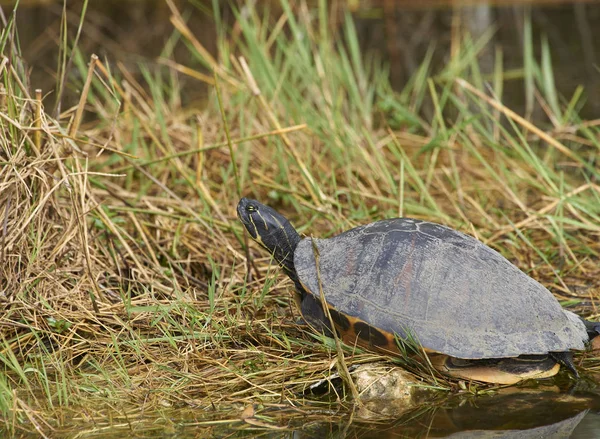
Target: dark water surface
{"points": [[510, 413]]}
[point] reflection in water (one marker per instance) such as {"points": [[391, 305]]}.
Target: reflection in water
{"points": [[516, 414], [511, 414], [589, 427]]}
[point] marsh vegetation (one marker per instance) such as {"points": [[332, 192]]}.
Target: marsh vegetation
{"points": [[131, 299]]}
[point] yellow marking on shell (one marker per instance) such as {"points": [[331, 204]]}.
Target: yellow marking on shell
{"points": [[489, 374], [483, 373], [352, 337]]}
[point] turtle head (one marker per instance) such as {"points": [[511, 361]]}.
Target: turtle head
{"points": [[271, 230]]}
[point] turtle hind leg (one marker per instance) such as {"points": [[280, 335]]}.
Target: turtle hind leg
{"points": [[592, 328], [566, 359]]}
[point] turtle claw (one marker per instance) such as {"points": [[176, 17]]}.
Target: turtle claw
{"points": [[566, 359]]}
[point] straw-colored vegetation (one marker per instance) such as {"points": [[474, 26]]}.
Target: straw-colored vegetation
{"points": [[126, 282]]}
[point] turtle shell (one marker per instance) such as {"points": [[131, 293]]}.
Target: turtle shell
{"points": [[449, 291]]}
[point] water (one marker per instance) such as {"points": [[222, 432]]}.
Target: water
{"points": [[511, 414]]}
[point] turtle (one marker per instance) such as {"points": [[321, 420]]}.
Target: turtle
{"points": [[476, 315]]}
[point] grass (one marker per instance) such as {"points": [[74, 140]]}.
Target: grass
{"points": [[128, 286]]}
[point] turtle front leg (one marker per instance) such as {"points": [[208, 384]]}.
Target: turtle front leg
{"points": [[313, 314]]}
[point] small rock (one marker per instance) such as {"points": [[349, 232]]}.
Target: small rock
{"points": [[383, 381], [384, 389]]}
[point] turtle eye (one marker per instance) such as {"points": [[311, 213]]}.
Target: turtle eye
{"points": [[250, 208]]}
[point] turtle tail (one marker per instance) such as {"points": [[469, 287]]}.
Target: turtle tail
{"points": [[592, 328]]}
